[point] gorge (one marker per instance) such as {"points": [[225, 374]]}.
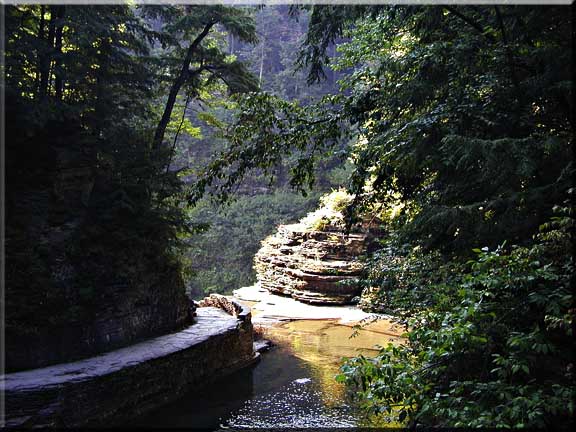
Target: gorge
{"points": [[144, 376], [293, 385], [202, 203]]}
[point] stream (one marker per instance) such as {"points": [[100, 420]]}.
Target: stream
{"points": [[292, 386]]}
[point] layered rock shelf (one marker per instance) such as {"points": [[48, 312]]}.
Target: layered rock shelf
{"points": [[113, 387], [317, 267]]}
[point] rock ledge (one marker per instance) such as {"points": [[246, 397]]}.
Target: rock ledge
{"points": [[113, 387]]}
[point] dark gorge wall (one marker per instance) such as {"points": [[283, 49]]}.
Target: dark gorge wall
{"points": [[86, 264]]}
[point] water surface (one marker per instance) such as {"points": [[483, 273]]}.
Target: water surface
{"points": [[292, 386]]}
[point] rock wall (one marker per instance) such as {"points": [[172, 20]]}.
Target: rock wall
{"points": [[112, 388], [85, 271], [312, 266]]}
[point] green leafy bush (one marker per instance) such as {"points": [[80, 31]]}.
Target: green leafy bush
{"points": [[487, 346], [330, 213]]}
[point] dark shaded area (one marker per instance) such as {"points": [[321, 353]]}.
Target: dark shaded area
{"points": [[215, 405], [89, 252], [93, 272]]}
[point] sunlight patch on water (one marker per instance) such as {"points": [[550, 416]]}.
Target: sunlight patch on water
{"points": [[293, 385], [297, 405], [318, 400], [302, 380]]}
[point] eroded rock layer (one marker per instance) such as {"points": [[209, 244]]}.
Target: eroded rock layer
{"points": [[311, 266], [115, 387]]}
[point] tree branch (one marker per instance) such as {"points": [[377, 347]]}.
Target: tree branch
{"points": [[507, 48], [176, 86], [178, 132], [470, 22]]}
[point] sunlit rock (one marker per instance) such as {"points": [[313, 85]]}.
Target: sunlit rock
{"points": [[312, 266]]}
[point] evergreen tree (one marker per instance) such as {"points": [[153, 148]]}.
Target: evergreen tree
{"points": [[92, 207], [461, 117], [464, 112]]}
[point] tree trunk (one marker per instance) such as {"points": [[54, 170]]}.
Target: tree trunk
{"points": [[508, 51], [101, 75], [47, 55], [59, 82], [230, 44], [261, 61], [332, 61], [40, 54], [176, 86]]}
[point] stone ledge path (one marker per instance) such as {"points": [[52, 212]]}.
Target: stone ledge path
{"points": [[210, 321]]}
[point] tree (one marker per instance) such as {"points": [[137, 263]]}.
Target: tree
{"points": [[464, 115], [463, 112], [91, 210], [465, 119], [191, 25]]}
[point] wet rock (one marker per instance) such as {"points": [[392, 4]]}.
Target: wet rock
{"points": [[319, 267], [262, 345]]}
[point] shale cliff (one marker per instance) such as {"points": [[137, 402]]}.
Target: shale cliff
{"points": [[312, 266], [86, 268]]}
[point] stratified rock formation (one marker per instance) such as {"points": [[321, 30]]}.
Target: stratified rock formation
{"points": [[312, 266], [112, 388]]}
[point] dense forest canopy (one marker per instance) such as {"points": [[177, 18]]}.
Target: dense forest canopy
{"points": [[467, 115], [456, 122]]}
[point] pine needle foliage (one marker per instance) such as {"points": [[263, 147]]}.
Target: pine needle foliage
{"points": [[465, 112]]}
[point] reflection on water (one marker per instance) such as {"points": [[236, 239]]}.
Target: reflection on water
{"points": [[299, 404], [292, 386], [316, 400], [323, 343]]}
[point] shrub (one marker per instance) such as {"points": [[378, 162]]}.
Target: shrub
{"points": [[331, 211], [487, 347]]}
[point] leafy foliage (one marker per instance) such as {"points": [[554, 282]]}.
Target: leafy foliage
{"points": [[459, 118], [330, 212], [222, 257], [455, 119], [268, 129], [468, 126], [83, 87], [76, 95], [458, 121], [487, 346]]}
